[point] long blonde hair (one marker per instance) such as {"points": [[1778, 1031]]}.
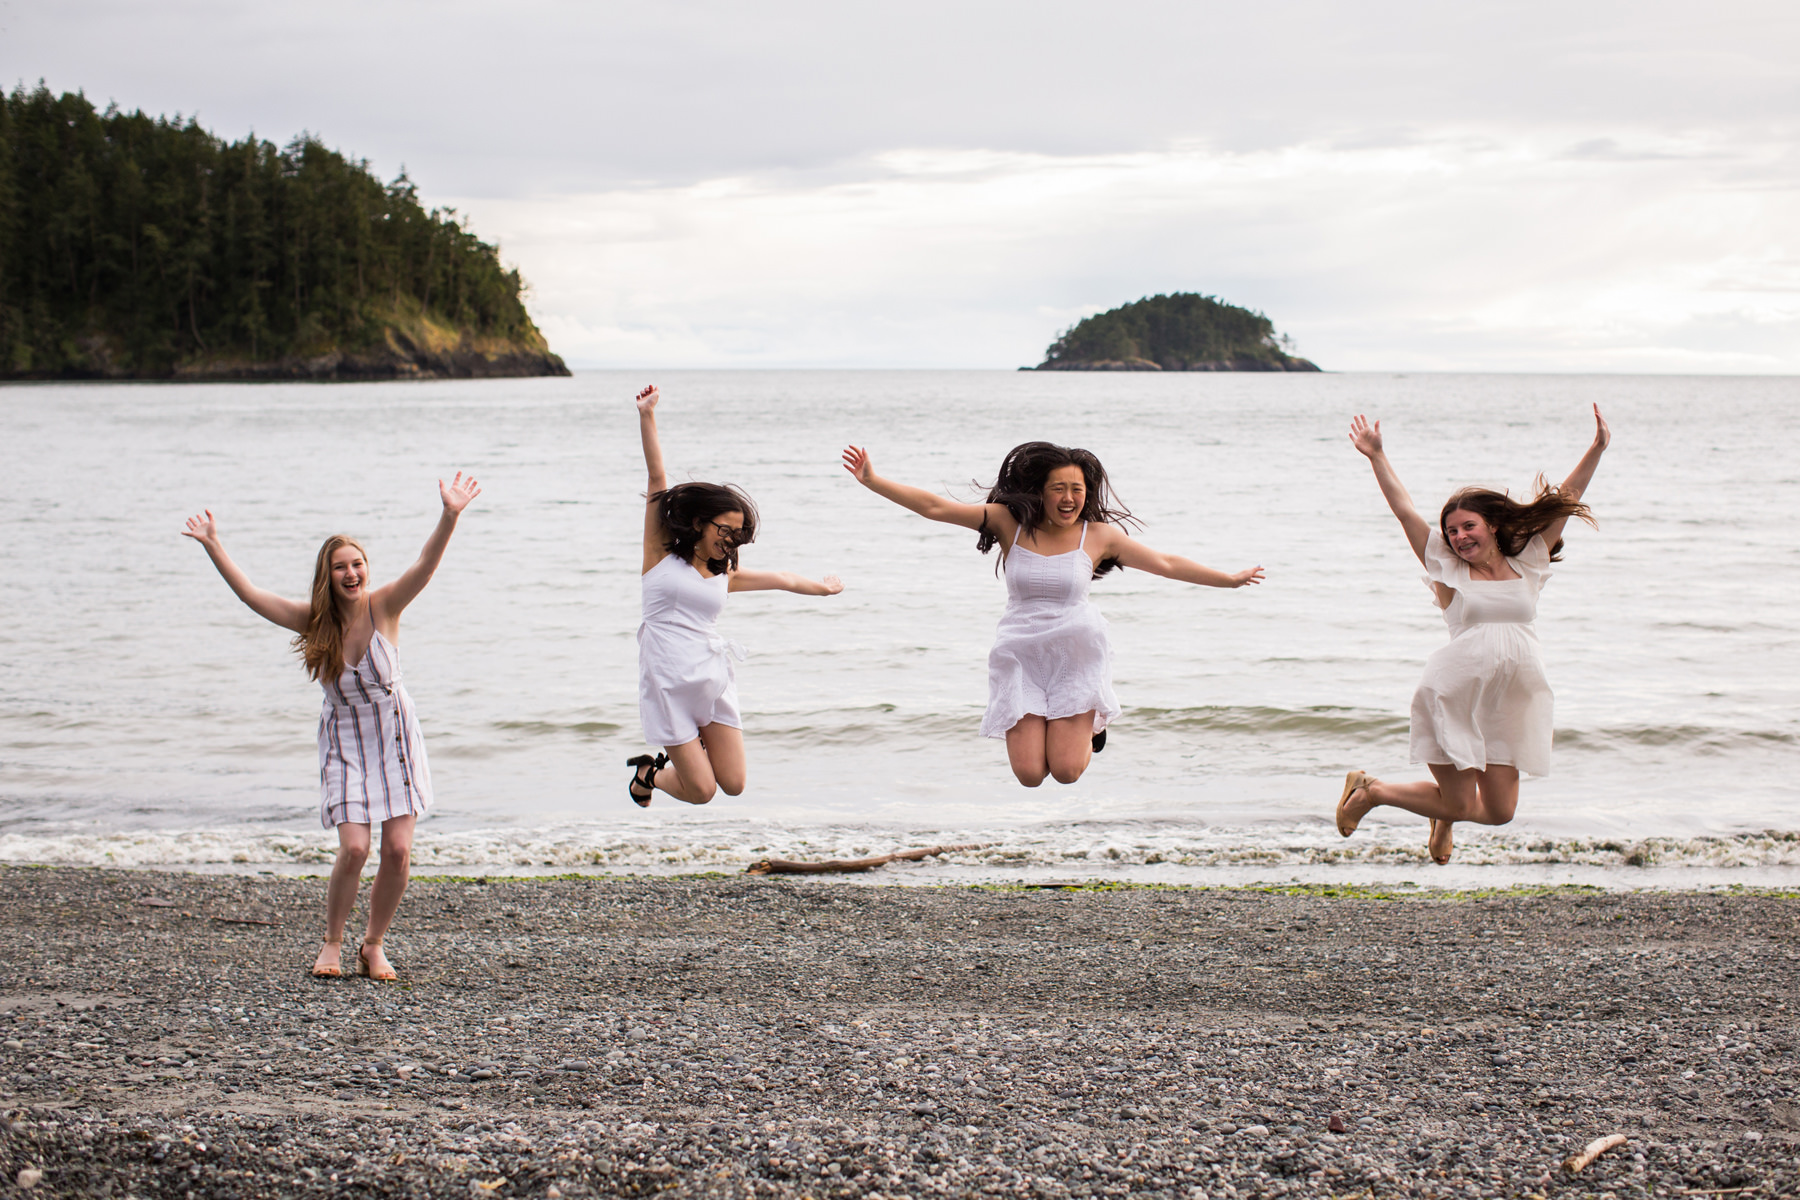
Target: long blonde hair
{"points": [[322, 645]]}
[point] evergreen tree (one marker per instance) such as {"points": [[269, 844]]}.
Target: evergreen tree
{"points": [[141, 245]]}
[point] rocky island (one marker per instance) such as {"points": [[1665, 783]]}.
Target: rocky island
{"points": [[1182, 331], [139, 247]]}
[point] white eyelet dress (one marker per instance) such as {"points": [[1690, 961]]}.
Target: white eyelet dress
{"points": [[686, 677], [371, 755], [1051, 655], [1484, 699]]}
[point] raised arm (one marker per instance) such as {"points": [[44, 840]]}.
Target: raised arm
{"points": [[1583, 474], [1367, 439], [388, 601], [929, 505], [289, 614], [1113, 543], [656, 538], [784, 581]]}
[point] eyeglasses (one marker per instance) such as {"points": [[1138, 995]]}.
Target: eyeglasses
{"points": [[730, 533]]}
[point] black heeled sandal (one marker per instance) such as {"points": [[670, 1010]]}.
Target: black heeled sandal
{"points": [[639, 780], [1100, 741]]}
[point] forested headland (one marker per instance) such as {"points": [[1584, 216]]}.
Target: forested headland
{"points": [[140, 247], [1183, 331]]}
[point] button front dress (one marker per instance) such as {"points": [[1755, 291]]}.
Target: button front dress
{"points": [[1484, 699], [1051, 655], [686, 677], [371, 755]]}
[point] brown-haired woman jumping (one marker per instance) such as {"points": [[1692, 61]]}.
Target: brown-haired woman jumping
{"points": [[687, 683], [1482, 713], [372, 765], [1058, 526]]}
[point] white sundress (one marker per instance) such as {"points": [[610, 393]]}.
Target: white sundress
{"points": [[371, 755], [686, 677], [1484, 699], [1051, 655]]}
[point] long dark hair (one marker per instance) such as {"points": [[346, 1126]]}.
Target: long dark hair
{"points": [[1514, 523], [1020, 487], [686, 506]]}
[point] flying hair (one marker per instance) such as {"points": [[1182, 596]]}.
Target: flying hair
{"points": [[1515, 523], [684, 508], [1025, 471]]}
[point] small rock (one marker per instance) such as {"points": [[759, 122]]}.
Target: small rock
{"points": [[1254, 1131], [481, 1073], [30, 1177], [1336, 1124], [13, 1044]]}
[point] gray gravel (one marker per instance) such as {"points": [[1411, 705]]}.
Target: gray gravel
{"points": [[769, 1037]]}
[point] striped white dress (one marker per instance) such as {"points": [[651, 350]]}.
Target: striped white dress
{"points": [[371, 755]]}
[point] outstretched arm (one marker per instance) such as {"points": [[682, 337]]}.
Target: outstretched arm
{"points": [[1583, 474], [656, 538], [784, 581], [387, 602], [289, 614], [929, 505], [1367, 439], [1131, 553]]}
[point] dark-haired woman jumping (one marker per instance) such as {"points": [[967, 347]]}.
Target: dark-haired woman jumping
{"points": [[687, 684], [1057, 523], [1482, 713]]}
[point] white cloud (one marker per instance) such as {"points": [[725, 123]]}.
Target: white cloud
{"points": [[1492, 184], [1470, 250]]}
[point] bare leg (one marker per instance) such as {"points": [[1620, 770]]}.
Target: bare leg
{"points": [[1025, 750], [1060, 749], [713, 762], [1487, 797], [340, 892], [1069, 746], [390, 884]]}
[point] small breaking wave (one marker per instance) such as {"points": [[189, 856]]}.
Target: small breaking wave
{"points": [[1073, 850]]}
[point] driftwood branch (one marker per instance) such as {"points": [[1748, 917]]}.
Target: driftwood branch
{"points": [[1595, 1148], [846, 866]]}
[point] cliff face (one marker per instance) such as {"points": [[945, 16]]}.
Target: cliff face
{"points": [[1183, 331], [414, 349]]}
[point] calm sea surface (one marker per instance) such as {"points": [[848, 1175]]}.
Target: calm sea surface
{"points": [[147, 717]]}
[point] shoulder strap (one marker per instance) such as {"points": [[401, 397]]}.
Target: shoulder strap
{"points": [[1082, 544]]}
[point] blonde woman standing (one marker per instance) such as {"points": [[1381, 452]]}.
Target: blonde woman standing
{"points": [[372, 765]]}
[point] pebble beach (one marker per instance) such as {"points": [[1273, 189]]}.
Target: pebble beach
{"points": [[737, 1036]]}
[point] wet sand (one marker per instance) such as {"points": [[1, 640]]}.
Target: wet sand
{"points": [[774, 1037]]}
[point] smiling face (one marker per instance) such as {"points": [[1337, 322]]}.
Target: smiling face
{"points": [[1469, 535], [349, 574], [1065, 495], [718, 535]]}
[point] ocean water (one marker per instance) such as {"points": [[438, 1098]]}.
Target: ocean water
{"points": [[148, 718]]}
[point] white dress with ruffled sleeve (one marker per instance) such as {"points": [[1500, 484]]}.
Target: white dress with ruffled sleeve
{"points": [[1484, 699]]}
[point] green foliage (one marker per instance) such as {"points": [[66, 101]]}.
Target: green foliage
{"points": [[134, 245], [1183, 331]]}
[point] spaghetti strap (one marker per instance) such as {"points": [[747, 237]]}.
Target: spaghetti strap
{"points": [[1082, 544]]}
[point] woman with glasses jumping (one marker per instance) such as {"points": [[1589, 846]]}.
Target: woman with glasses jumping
{"points": [[687, 682]]}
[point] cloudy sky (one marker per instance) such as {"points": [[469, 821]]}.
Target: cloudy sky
{"points": [[1588, 185]]}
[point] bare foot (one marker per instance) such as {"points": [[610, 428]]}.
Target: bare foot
{"points": [[1355, 803], [330, 963], [373, 963], [1440, 844]]}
